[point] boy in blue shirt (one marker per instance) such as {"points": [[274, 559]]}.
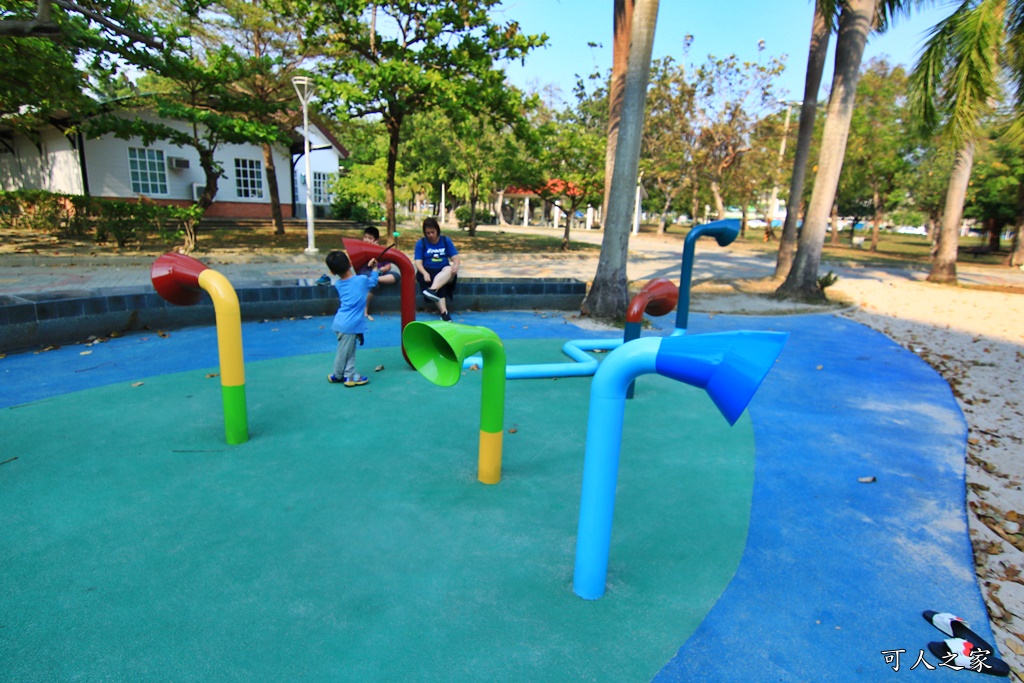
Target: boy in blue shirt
{"points": [[350, 320]]}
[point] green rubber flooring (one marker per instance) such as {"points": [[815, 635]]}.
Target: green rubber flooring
{"points": [[348, 539]]}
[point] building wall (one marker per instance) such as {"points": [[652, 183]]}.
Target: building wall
{"points": [[325, 161], [109, 173], [50, 164], [54, 164]]}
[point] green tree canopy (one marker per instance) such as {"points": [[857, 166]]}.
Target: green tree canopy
{"points": [[393, 59]]}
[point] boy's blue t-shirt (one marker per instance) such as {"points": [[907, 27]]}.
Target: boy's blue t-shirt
{"points": [[351, 315], [435, 256]]}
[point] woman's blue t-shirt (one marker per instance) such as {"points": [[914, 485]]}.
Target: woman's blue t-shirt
{"points": [[435, 256]]}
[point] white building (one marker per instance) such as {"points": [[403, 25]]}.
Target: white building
{"points": [[58, 160]]}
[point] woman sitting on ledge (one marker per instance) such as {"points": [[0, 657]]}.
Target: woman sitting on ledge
{"points": [[437, 266]]}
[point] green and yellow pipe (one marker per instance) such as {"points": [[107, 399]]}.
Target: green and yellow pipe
{"points": [[436, 349]]}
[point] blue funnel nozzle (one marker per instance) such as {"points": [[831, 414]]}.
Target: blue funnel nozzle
{"points": [[730, 366]]}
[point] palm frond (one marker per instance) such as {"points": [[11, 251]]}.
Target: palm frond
{"points": [[890, 10], [830, 10], [973, 86], [929, 74]]}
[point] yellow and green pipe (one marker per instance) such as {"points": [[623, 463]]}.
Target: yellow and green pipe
{"points": [[178, 279]]}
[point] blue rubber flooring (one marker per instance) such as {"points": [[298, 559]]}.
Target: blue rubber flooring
{"points": [[834, 573]]}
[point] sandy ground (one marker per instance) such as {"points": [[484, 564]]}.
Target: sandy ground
{"points": [[975, 340]]}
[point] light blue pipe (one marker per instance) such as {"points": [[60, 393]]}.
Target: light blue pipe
{"points": [[601, 463], [584, 364], [730, 366]]}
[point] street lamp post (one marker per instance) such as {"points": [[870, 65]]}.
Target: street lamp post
{"points": [[636, 203], [304, 88], [773, 205]]}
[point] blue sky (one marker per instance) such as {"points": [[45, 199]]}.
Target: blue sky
{"points": [[719, 27]]}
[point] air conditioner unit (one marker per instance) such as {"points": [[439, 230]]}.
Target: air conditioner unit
{"points": [[197, 191], [177, 162]]}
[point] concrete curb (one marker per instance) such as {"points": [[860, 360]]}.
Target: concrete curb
{"points": [[64, 316]]}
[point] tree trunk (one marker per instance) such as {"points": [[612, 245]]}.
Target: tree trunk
{"points": [[473, 197], [876, 201], [609, 296], [1016, 256], [944, 264], [394, 127], [854, 24], [694, 205], [272, 189], [719, 204], [664, 212], [623, 23], [499, 206], [834, 222], [569, 219], [820, 34], [994, 231]]}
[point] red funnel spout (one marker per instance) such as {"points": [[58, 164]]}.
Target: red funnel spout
{"points": [[360, 253]]}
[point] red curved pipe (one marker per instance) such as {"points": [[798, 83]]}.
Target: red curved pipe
{"points": [[657, 297], [176, 278], [360, 253]]}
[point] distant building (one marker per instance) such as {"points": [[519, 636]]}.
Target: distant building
{"points": [[59, 161]]}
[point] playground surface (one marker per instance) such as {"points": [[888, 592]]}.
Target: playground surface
{"points": [[348, 539]]}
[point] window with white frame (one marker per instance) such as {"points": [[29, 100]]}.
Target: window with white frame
{"points": [[321, 187], [148, 170], [249, 178]]}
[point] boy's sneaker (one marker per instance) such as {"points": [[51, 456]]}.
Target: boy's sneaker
{"points": [[356, 381], [324, 280], [446, 317], [335, 380], [431, 294]]}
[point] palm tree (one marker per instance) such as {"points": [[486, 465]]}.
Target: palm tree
{"points": [[622, 23], [855, 22], [821, 31], [955, 86], [856, 18], [608, 296]]}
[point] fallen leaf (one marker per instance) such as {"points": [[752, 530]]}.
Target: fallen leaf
{"points": [[137, 384], [378, 368], [474, 366], [1015, 645], [212, 374], [513, 430]]}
